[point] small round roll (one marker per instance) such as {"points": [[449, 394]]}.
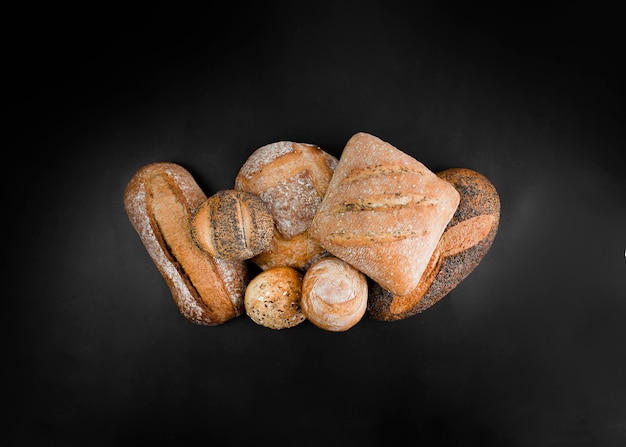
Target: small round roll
{"points": [[235, 225], [272, 298], [334, 294]]}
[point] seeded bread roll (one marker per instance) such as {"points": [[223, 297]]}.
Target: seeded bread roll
{"points": [[159, 200], [383, 213], [233, 224], [272, 298], [466, 240], [334, 294]]}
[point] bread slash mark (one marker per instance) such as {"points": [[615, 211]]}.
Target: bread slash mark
{"points": [[384, 202], [352, 238], [369, 172]]}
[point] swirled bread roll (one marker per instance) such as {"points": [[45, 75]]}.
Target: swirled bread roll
{"points": [[383, 213], [159, 201], [466, 240], [334, 294]]}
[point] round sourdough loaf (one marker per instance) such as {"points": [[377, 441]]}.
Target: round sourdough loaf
{"points": [[291, 178]]}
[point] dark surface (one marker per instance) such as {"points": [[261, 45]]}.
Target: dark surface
{"points": [[527, 351]]}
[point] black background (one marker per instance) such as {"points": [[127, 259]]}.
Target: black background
{"points": [[527, 351]]}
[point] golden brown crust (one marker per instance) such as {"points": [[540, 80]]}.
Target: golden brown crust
{"points": [[466, 240], [298, 252], [272, 298], [383, 213], [232, 224], [159, 201], [334, 294]]}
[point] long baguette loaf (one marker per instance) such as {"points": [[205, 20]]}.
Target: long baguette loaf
{"points": [[160, 200], [466, 240], [383, 213]]}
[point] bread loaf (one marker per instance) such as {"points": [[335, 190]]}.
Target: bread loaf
{"points": [[233, 224], [291, 178], [465, 241], [383, 213], [159, 201], [334, 294]]}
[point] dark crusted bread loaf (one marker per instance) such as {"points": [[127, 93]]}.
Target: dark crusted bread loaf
{"points": [[465, 241]]}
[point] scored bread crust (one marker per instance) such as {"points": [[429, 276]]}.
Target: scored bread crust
{"points": [[383, 213], [468, 237], [159, 201], [291, 178]]}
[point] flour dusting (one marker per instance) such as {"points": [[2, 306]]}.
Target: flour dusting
{"points": [[264, 156]]}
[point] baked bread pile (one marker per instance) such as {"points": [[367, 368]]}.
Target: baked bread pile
{"points": [[303, 235]]}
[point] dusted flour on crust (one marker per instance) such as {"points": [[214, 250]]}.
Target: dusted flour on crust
{"points": [[291, 178], [264, 156], [187, 305], [206, 290]]}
